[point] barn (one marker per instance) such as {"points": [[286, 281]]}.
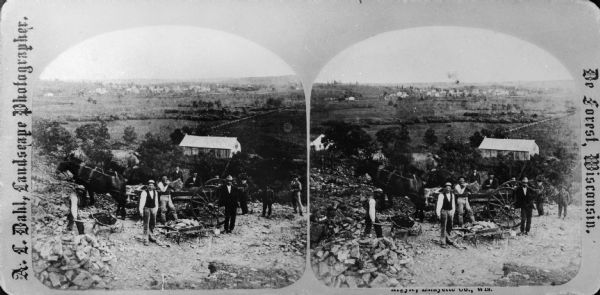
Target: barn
{"points": [[520, 149], [220, 147]]}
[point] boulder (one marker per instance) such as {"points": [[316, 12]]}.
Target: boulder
{"points": [[381, 281]]}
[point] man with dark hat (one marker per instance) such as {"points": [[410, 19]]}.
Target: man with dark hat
{"points": [[243, 188], [148, 208], [77, 199], [525, 197], [229, 198], [540, 197], [296, 188], [445, 212], [268, 198]]}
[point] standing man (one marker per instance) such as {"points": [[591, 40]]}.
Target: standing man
{"points": [[525, 196], [296, 188], [177, 174], [490, 183], [540, 197], [193, 181], [268, 198], [370, 216], [77, 199], [243, 187], [166, 203], [229, 197], [563, 199], [445, 212], [148, 208], [462, 201]]}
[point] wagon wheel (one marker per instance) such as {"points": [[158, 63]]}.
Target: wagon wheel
{"points": [[208, 193], [502, 208]]}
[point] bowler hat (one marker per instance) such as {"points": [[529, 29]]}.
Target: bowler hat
{"points": [[229, 178]]}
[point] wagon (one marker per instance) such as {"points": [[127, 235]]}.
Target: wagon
{"points": [[200, 202], [497, 205]]}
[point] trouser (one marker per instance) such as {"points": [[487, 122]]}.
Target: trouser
{"points": [[149, 223], [369, 224], [230, 214], [74, 214], [526, 219], [540, 207], [166, 202], [244, 205], [445, 226], [296, 202], [267, 208], [562, 208], [462, 204]]}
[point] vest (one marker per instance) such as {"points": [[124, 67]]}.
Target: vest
{"points": [[150, 200], [446, 205]]}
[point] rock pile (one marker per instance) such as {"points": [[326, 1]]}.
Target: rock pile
{"points": [[337, 200], [73, 262], [373, 263]]}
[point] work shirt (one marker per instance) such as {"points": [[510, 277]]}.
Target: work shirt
{"points": [[442, 202]]}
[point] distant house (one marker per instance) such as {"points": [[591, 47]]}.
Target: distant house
{"points": [[49, 94], [220, 147], [351, 98], [520, 149], [317, 144]]}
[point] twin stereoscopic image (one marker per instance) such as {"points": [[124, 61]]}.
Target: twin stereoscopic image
{"points": [[439, 156]]}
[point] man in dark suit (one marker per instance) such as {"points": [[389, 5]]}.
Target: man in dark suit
{"points": [[193, 181], [525, 197], [229, 198], [490, 183]]}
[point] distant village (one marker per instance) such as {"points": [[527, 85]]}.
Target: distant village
{"points": [[160, 89], [464, 91]]}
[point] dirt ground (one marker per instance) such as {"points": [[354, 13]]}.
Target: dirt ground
{"points": [[550, 254], [258, 254]]}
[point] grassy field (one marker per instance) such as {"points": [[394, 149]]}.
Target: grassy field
{"points": [[446, 116]]}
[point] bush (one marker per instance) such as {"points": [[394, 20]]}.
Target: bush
{"points": [[160, 154], [129, 134], [53, 139]]}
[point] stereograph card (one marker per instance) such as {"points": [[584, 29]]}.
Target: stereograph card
{"points": [[299, 147]]}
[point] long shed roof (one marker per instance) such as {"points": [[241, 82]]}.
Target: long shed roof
{"points": [[508, 144], [212, 142]]}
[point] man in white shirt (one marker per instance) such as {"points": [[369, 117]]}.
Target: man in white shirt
{"points": [[166, 203], [370, 217], [148, 207], [445, 212], [462, 201]]}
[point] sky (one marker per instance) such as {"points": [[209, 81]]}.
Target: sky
{"points": [[443, 54], [165, 52]]}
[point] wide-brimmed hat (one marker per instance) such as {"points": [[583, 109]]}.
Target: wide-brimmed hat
{"points": [[229, 178], [378, 190], [447, 184], [80, 187], [150, 181], [525, 180]]}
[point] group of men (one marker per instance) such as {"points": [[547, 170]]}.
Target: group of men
{"points": [[154, 196], [455, 199]]}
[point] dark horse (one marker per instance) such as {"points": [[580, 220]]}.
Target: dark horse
{"points": [[140, 175], [394, 183], [96, 181]]}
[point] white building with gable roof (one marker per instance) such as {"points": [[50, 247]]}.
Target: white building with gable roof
{"points": [[520, 149], [220, 147]]}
